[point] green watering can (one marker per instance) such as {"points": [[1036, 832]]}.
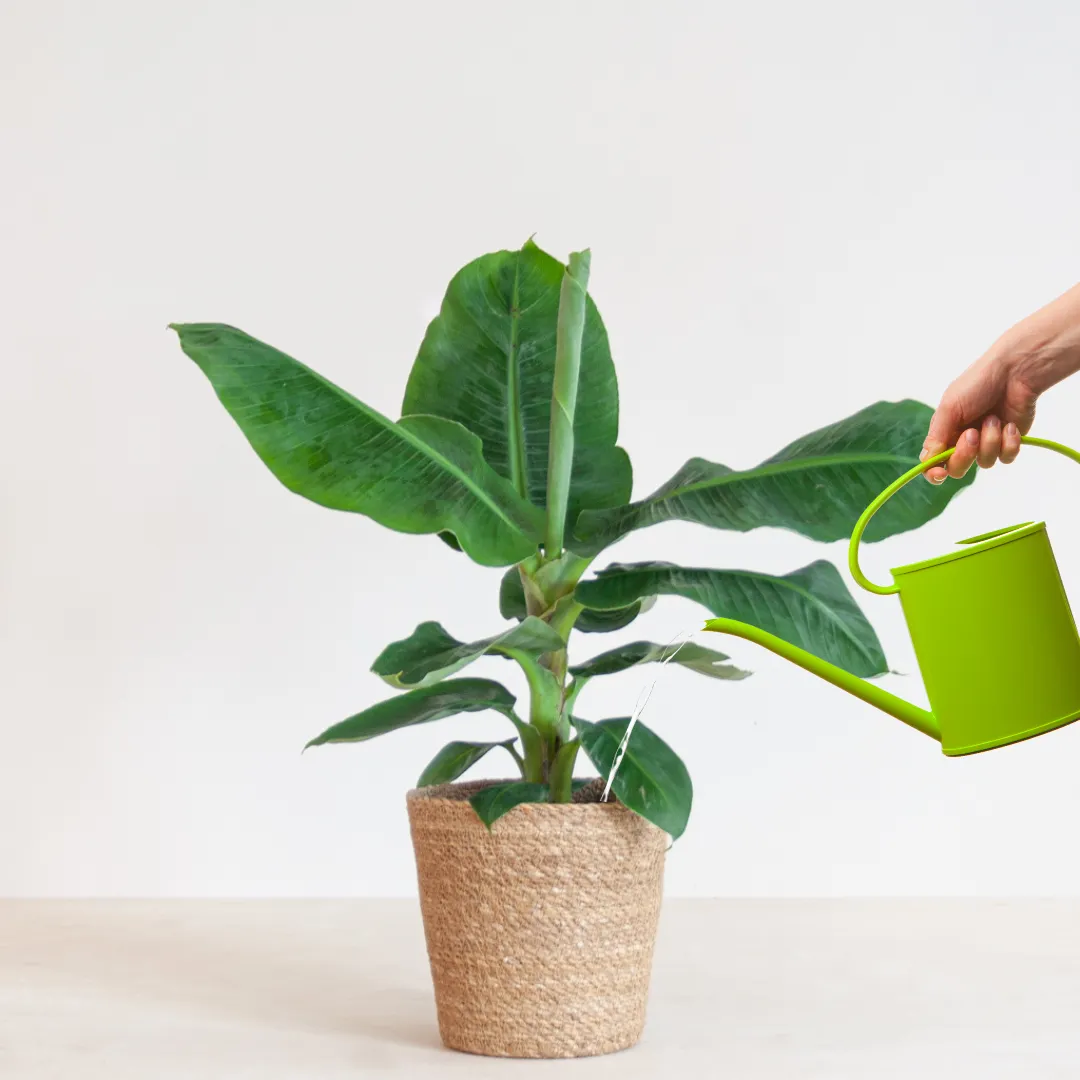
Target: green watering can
{"points": [[1013, 671]]}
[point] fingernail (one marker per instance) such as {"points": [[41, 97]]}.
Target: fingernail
{"points": [[924, 455], [992, 422], [1011, 430], [972, 438]]}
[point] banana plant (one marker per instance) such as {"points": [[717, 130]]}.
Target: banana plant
{"points": [[506, 449]]}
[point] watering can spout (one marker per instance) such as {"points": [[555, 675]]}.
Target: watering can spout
{"points": [[919, 719]]}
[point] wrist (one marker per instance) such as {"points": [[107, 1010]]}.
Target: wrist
{"points": [[1044, 348], [1037, 356]]}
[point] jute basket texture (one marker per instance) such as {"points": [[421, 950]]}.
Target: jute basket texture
{"points": [[540, 933]]}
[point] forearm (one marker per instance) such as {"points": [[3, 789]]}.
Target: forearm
{"points": [[1044, 348]]}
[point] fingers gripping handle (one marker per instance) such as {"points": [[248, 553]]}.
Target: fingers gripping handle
{"points": [[896, 485]]}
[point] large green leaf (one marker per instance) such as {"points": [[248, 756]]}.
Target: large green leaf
{"points": [[490, 803], [488, 361], [512, 606], [651, 779], [420, 707], [424, 474], [456, 758], [810, 607], [689, 655], [429, 654], [817, 486]]}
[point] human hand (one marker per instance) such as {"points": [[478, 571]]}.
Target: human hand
{"points": [[984, 412]]}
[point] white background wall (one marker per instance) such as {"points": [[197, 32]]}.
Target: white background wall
{"points": [[794, 210]]}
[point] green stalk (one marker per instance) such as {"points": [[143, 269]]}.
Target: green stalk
{"points": [[545, 691], [518, 759], [545, 697], [564, 615], [562, 772], [532, 767], [568, 334], [557, 578], [571, 695]]}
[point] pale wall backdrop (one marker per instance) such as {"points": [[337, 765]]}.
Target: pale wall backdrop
{"points": [[794, 210]]}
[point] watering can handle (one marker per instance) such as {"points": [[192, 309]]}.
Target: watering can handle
{"points": [[896, 485]]}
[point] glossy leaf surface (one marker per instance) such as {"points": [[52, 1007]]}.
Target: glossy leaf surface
{"points": [[487, 361], [811, 607], [817, 486], [420, 707], [688, 655], [422, 474], [651, 779], [490, 803], [455, 759], [429, 654]]}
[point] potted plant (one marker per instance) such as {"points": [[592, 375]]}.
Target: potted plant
{"points": [[540, 899]]}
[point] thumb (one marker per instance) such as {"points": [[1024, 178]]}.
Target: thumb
{"points": [[945, 427]]}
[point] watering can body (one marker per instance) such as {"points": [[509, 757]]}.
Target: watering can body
{"points": [[995, 639], [992, 629]]}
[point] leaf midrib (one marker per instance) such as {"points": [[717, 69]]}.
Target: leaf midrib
{"points": [[425, 448], [816, 601], [391, 426], [655, 655], [776, 468], [515, 423], [461, 651], [832, 616]]}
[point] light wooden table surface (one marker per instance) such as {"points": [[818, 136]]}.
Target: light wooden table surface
{"points": [[321, 990]]}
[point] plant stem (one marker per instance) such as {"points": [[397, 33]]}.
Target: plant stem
{"points": [[570, 695], [545, 697], [545, 691], [562, 772], [535, 601], [518, 759], [564, 615], [533, 765], [557, 578], [568, 334]]}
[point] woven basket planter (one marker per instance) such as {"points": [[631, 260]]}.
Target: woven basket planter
{"points": [[540, 933]]}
